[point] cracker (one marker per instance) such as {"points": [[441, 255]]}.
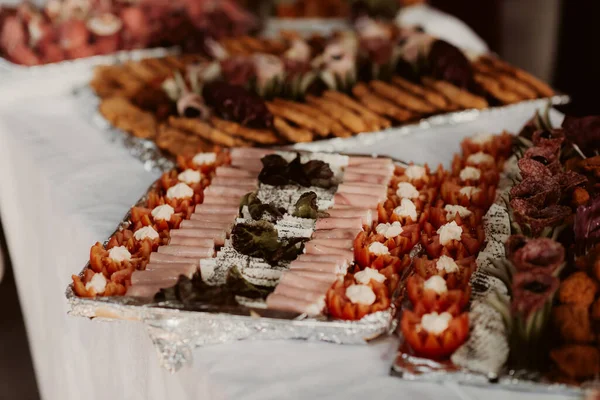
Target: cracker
{"points": [[292, 134], [363, 111], [124, 115], [456, 94], [345, 116], [492, 86], [262, 136], [336, 128], [432, 97], [380, 105], [543, 89], [178, 142], [299, 118], [506, 81], [206, 131], [402, 97]]}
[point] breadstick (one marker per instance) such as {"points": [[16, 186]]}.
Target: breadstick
{"points": [[174, 63], [339, 112], [380, 105], [540, 87], [336, 128], [294, 135], [402, 98], [262, 136], [158, 65], [367, 114], [253, 44], [432, 97], [506, 81], [455, 94], [492, 86], [124, 115], [205, 131], [299, 118]]}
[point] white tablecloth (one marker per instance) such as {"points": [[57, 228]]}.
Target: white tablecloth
{"points": [[63, 186]]}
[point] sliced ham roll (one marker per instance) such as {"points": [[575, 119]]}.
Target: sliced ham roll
{"points": [[337, 243], [356, 177], [204, 209], [143, 291], [376, 190], [249, 152], [326, 267], [226, 171], [209, 218], [339, 259], [224, 191], [171, 266], [361, 160], [161, 276], [378, 170], [216, 235], [234, 181], [212, 225], [161, 258], [365, 214], [249, 164], [318, 249], [189, 252], [325, 277], [336, 234], [196, 242], [339, 223], [291, 278], [226, 201], [300, 294], [280, 302], [356, 200]]}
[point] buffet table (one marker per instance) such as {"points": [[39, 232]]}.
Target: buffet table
{"points": [[65, 186]]}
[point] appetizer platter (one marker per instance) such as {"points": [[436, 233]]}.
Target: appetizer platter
{"points": [[521, 311], [66, 30], [251, 244], [262, 92]]}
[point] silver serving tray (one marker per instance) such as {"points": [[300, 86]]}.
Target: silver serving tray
{"points": [[175, 331], [155, 159]]}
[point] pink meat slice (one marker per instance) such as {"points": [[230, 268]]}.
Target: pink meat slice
{"points": [[229, 218], [325, 277], [234, 181], [226, 171], [276, 301], [249, 152], [290, 278], [326, 267], [379, 190], [356, 177], [356, 200], [160, 276], [339, 259], [193, 241], [336, 234], [189, 252], [226, 201], [215, 209], [339, 223], [144, 291], [361, 160], [318, 249], [386, 171], [224, 191], [165, 265], [204, 233], [249, 164], [212, 225], [161, 258], [301, 294], [337, 243], [365, 214]]}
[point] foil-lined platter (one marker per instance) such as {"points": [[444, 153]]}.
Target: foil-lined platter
{"points": [[155, 159], [176, 328], [63, 67]]}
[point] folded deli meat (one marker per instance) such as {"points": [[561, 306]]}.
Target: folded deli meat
{"points": [[248, 91]]}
